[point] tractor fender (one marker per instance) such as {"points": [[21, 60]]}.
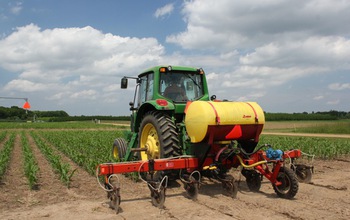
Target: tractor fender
{"points": [[151, 105]]}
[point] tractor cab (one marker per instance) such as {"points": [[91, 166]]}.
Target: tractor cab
{"points": [[168, 89]]}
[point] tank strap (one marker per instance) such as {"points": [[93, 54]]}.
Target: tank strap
{"points": [[217, 118], [255, 114]]}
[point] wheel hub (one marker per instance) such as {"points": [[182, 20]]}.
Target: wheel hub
{"points": [[150, 140]]}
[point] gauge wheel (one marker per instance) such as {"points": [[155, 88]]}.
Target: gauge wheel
{"points": [[303, 173], [192, 188], [289, 184], [119, 149], [230, 186], [253, 180]]}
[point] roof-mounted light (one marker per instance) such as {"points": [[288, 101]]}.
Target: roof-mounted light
{"points": [[200, 71], [169, 68]]}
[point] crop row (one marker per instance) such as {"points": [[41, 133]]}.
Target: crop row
{"points": [[31, 167], [2, 135], [63, 169], [5, 154], [324, 148], [55, 125], [87, 149]]}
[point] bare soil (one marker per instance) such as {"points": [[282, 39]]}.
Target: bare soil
{"points": [[326, 197]]}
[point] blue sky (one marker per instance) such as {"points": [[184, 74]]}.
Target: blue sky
{"points": [[289, 56]]}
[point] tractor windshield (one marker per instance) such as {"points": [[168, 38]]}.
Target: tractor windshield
{"points": [[181, 86]]}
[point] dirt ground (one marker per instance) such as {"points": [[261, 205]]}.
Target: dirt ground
{"points": [[326, 197]]}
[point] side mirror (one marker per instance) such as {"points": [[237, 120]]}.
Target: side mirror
{"points": [[124, 83]]}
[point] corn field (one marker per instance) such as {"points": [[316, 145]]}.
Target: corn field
{"points": [[89, 147]]}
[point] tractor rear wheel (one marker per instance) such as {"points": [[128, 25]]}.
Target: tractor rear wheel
{"points": [[158, 135]]}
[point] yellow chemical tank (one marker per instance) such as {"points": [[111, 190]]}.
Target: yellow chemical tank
{"points": [[220, 121]]}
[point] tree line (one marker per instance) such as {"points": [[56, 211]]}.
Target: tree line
{"points": [[15, 113]]}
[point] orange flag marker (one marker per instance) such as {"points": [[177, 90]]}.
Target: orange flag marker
{"points": [[26, 105]]}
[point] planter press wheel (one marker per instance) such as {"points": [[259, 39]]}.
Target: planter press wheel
{"points": [[289, 187], [119, 149], [158, 135], [303, 173], [253, 180], [230, 186], [192, 188]]}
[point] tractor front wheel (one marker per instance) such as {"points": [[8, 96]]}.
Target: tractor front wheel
{"points": [[119, 149]]}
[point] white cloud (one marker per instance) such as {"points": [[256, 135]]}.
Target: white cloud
{"points": [[333, 102], [25, 86], [16, 8], [319, 97], [66, 64], [85, 94], [276, 43], [63, 52], [339, 86], [165, 10]]}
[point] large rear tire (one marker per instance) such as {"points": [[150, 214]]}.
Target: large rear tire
{"points": [[158, 134]]}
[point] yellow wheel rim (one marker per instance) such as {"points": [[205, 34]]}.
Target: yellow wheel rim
{"points": [[115, 152], [150, 140]]}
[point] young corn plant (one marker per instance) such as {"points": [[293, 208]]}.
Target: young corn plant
{"points": [[87, 149], [31, 167], [3, 135], [5, 154], [63, 169], [323, 148]]}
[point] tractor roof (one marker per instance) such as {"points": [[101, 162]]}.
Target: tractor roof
{"points": [[156, 68]]}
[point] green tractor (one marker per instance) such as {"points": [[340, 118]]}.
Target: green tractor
{"points": [[157, 118]]}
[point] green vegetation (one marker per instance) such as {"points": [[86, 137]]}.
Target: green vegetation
{"points": [[2, 135], [339, 127], [55, 125], [89, 144], [14, 114], [5, 154], [63, 169], [30, 165], [325, 127], [330, 115], [87, 149], [324, 148], [89, 118]]}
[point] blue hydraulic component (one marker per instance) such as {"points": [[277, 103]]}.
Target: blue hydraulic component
{"points": [[274, 154]]}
